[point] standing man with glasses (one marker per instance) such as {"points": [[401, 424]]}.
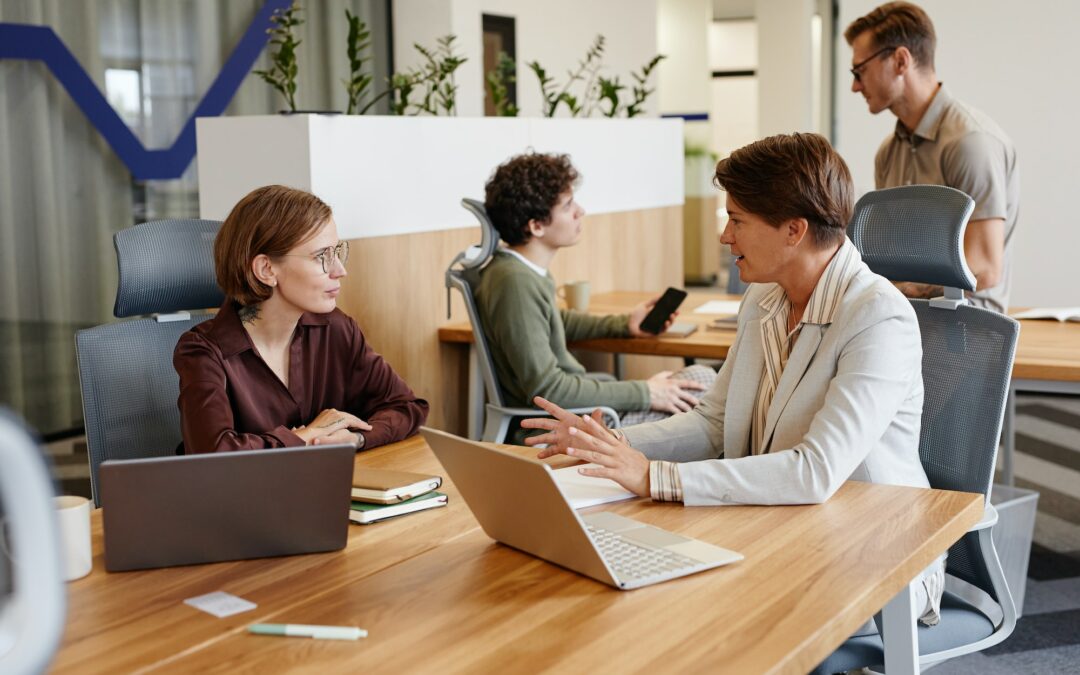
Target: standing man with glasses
{"points": [[938, 141]]}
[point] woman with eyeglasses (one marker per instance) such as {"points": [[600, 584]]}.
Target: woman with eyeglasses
{"points": [[280, 365]]}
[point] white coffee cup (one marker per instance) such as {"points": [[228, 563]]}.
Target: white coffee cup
{"points": [[73, 516], [576, 295]]}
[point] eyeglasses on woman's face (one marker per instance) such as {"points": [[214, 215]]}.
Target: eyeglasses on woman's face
{"points": [[327, 256]]}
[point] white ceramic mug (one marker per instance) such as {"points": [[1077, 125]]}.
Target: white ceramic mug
{"points": [[73, 515], [576, 295]]}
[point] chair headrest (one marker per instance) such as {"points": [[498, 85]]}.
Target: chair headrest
{"points": [[166, 266], [476, 256], [915, 233]]}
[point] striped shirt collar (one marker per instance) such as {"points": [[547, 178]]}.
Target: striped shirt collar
{"points": [[777, 342], [830, 288]]}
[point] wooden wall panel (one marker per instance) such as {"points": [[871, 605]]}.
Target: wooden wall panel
{"points": [[395, 291], [701, 243]]}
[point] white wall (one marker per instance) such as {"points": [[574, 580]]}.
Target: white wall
{"points": [[556, 33], [415, 170], [683, 77], [733, 109], [785, 60], [1017, 64]]}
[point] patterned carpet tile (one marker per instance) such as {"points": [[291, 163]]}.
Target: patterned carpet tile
{"points": [[1041, 631], [1046, 564], [1056, 661]]}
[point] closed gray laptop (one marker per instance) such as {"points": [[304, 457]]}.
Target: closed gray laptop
{"points": [[517, 502], [193, 509]]}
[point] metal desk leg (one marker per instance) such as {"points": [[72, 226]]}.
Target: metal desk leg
{"points": [[900, 634], [1008, 434], [618, 365], [475, 404]]}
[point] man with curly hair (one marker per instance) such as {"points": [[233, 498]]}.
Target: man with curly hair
{"points": [[530, 200]]}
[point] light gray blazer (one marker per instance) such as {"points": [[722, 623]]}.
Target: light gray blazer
{"points": [[848, 406]]}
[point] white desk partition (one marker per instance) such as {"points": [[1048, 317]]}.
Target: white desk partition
{"points": [[387, 175]]}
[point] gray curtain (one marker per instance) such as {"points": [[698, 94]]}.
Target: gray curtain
{"points": [[63, 192]]}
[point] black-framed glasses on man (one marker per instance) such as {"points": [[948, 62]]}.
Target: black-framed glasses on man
{"points": [[855, 69]]}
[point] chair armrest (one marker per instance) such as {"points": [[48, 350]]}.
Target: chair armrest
{"points": [[609, 414], [989, 519]]}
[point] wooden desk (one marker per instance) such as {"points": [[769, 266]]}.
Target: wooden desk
{"points": [[1047, 353], [705, 343], [437, 595], [120, 621], [1047, 361]]}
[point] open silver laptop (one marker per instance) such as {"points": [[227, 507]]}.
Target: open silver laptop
{"points": [[518, 503], [192, 509]]}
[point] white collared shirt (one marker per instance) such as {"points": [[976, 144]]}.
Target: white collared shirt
{"points": [[528, 263]]}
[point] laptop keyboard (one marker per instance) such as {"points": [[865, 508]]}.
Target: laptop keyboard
{"points": [[631, 560]]}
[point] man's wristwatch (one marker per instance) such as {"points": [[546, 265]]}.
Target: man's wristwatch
{"points": [[360, 440]]}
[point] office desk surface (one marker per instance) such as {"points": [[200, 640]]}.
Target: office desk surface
{"points": [[705, 343], [1046, 350], [436, 594], [120, 621]]}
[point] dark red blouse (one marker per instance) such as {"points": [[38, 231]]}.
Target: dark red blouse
{"points": [[231, 400]]}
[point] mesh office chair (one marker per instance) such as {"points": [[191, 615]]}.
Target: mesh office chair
{"points": [[129, 386], [462, 274], [32, 593], [916, 233]]}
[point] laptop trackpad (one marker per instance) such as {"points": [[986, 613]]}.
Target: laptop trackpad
{"points": [[652, 536]]}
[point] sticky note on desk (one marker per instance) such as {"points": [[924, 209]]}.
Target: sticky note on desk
{"points": [[220, 604]]}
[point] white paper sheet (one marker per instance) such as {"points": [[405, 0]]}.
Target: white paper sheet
{"points": [[584, 491], [220, 604], [718, 307]]}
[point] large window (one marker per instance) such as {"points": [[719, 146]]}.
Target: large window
{"points": [[64, 191]]}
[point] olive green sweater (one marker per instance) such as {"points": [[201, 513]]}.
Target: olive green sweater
{"points": [[527, 335]]}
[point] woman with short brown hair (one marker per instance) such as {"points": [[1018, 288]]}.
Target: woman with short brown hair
{"points": [[280, 365], [823, 383]]}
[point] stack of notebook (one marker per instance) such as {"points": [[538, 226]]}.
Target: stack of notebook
{"points": [[378, 494]]}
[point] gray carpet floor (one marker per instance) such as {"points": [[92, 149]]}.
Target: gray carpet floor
{"points": [[1047, 636]]}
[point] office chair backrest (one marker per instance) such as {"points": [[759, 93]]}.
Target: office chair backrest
{"points": [[166, 266], [915, 230], [463, 274], [916, 233], [129, 386], [31, 577]]}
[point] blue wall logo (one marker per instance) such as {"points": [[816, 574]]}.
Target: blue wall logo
{"points": [[18, 41]]}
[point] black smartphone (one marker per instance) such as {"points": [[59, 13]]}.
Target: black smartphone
{"points": [[669, 302]]}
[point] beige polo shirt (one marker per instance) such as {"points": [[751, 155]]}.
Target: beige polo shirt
{"points": [[959, 147]]}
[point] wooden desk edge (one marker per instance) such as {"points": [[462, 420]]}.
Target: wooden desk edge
{"points": [[903, 574]]}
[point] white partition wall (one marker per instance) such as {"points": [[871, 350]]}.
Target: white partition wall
{"points": [[401, 175]]}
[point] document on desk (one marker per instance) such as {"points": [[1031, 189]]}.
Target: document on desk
{"points": [[584, 491], [718, 307], [220, 604]]}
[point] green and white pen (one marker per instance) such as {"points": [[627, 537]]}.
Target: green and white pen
{"points": [[303, 630]]}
